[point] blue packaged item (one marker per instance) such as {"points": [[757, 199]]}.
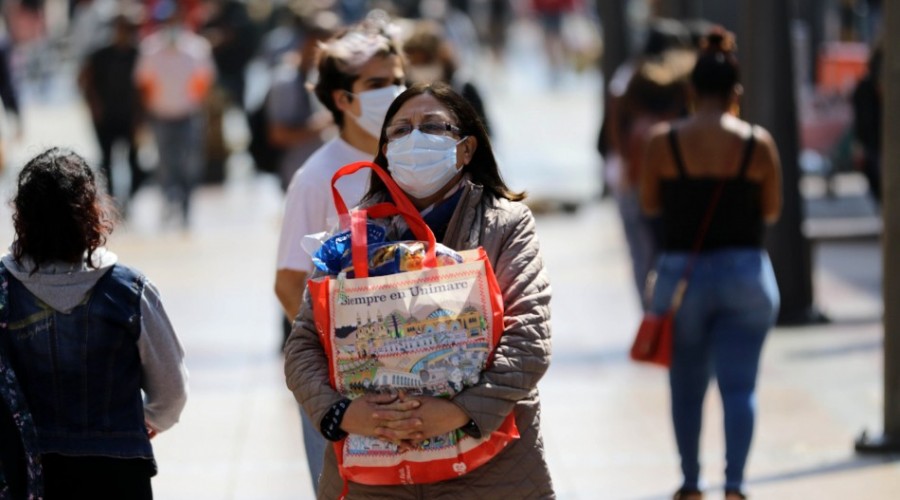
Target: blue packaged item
{"points": [[392, 257], [329, 256], [384, 257]]}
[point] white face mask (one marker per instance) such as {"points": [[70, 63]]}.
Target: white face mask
{"points": [[422, 163], [373, 106]]}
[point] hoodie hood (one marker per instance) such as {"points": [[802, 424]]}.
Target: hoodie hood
{"points": [[61, 285]]}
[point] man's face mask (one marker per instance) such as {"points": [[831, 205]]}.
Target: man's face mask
{"points": [[373, 107]]}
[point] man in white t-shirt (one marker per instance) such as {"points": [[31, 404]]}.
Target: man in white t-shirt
{"points": [[360, 74]]}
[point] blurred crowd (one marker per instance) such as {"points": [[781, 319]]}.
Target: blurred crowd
{"points": [[167, 73]]}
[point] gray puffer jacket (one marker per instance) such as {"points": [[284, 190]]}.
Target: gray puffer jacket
{"points": [[506, 230]]}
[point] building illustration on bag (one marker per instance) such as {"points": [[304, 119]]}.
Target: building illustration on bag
{"points": [[437, 355], [373, 447]]}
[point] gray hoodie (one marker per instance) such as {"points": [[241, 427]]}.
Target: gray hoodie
{"points": [[63, 286]]}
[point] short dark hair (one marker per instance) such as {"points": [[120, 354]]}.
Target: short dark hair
{"points": [[482, 168], [59, 215], [342, 57]]}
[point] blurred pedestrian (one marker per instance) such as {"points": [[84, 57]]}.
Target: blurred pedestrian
{"points": [[458, 29], [499, 19], [360, 72], [643, 92], [550, 14], [714, 166], [296, 121], [281, 36], [868, 100], [9, 94], [432, 58], [98, 361], [107, 82], [174, 73], [434, 146], [233, 38]]}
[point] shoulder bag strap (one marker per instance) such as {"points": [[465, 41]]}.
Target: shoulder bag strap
{"points": [[748, 153], [676, 152], [681, 287]]}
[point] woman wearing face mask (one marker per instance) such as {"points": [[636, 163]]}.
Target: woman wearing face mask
{"points": [[436, 149]]}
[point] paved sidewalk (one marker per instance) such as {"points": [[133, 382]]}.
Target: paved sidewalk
{"points": [[606, 425]]}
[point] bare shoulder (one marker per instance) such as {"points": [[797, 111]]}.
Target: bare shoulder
{"points": [[765, 139], [657, 135], [763, 136], [659, 131]]}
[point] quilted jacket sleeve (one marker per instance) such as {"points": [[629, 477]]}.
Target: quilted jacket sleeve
{"points": [[306, 367], [523, 354]]}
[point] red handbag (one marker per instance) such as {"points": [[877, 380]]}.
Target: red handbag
{"points": [[653, 342]]}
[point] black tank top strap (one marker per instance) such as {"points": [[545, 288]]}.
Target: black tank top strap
{"points": [[676, 152], [748, 152]]}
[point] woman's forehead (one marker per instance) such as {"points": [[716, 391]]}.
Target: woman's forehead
{"points": [[424, 105]]}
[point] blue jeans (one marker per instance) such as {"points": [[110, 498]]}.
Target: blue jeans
{"points": [[180, 146], [730, 305], [314, 446], [640, 238]]}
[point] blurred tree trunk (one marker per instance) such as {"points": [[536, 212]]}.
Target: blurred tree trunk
{"points": [[770, 101], [890, 237], [890, 172]]}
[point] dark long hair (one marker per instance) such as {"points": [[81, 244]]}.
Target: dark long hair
{"points": [[58, 213], [482, 167], [717, 70]]}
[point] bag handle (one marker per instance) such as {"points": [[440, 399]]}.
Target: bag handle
{"points": [[401, 206]]}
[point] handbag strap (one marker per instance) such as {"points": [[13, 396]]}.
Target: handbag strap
{"points": [[681, 287]]}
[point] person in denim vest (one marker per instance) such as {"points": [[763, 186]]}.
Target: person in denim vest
{"points": [[85, 336]]}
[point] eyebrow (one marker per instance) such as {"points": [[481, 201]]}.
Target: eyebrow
{"points": [[426, 116], [381, 80]]}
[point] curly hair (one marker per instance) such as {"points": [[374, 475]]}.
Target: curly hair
{"points": [[59, 214]]}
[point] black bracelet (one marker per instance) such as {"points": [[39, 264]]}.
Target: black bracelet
{"points": [[471, 428], [331, 422]]}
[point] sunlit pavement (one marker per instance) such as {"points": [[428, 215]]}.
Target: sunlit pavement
{"points": [[605, 419]]}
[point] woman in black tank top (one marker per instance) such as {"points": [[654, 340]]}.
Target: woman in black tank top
{"points": [[731, 299]]}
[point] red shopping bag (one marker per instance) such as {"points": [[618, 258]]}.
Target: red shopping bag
{"points": [[429, 331]]}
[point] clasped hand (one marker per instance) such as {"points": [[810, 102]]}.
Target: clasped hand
{"points": [[402, 419]]}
